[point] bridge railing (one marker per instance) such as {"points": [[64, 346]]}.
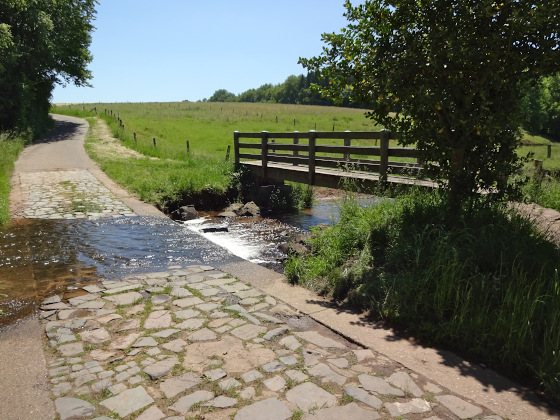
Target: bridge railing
{"points": [[320, 149]]}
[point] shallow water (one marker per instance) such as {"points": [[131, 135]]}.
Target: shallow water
{"points": [[41, 257]]}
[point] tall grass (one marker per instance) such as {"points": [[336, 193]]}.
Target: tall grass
{"points": [[10, 147], [484, 282]]}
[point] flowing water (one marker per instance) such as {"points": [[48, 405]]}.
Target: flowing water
{"points": [[39, 258]]}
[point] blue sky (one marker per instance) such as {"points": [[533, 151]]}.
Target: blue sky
{"points": [[174, 50]]}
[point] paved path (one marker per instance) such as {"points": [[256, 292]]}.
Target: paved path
{"points": [[217, 342]]}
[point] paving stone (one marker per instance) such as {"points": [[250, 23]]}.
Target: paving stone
{"points": [[326, 374], [251, 376], [273, 367], [191, 324], [175, 345], [152, 413], [360, 395], [186, 314], [258, 307], [321, 341], [108, 318], [128, 401], [209, 292], [247, 332], [160, 299], [308, 396], [414, 406], [268, 318], [61, 388], [432, 388], [55, 306], [207, 307], [459, 407], [120, 289], [243, 294], [270, 409], [340, 362], [350, 411], [219, 322], [97, 336], [230, 383], [275, 333], [51, 299], [125, 298], [376, 384], [289, 360], [221, 402], [81, 380], [184, 404], [404, 381], [180, 292], [276, 383], [69, 314], [145, 342], [131, 324], [296, 375], [101, 385], [61, 370], [158, 319], [161, 368], [72, 349], [249, 301], [202, 335], [93, 288], [312, 357], [94, 304], [237, 322], [290, 342], [247, 393], [178, 384], [73, 408], [215, 374]]}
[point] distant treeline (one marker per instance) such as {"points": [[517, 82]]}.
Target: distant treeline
{"points": [[295, 90]]}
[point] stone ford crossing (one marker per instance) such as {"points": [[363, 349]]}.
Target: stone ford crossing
{"points": [[199, 343]]}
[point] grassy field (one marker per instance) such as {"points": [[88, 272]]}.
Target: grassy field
{"points": [[169, 174]]}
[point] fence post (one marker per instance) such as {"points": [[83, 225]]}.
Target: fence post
{"points": [[347, 143], [312, 140], [227, 153], [155, 142], [188, 148], [135, 138], [236, 147], [384, 155], [296, 141], [264, 153]]}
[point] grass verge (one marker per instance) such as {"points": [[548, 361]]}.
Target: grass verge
{"points": [[484, 282], [10, 147]]}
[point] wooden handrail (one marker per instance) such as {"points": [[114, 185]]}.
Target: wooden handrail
{"points": [[306, 154]]}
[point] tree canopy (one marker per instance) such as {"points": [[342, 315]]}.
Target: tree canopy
{"points": [[42, 42], [446, 74]]}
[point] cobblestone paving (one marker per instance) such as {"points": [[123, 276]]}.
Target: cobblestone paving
{"points": [[198, 343], [75, 194]]}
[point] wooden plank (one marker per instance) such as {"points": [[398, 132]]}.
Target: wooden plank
{"points": [[351, 150], [288, 159]]}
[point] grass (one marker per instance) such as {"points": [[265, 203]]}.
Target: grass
{"points": [[484, 282], [10, 147]]}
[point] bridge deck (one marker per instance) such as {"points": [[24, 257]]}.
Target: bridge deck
{"points": [[324, 177]]}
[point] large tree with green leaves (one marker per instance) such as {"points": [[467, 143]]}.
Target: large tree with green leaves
{"points": [[448, 76], [42, 42]]}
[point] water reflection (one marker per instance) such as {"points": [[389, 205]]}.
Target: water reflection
{"points": [[42, 257]]}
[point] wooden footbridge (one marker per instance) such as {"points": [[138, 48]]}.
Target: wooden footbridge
{"points": [[328, 159]]}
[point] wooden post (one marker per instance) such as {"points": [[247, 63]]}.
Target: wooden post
{"points": [[236, 147], [294, 122], [227, 153], [188, 147], [155, 142], [296, 141], [347, 143], [135, 138], [384, 155], [264, 153], [312, 139], [549, 152]]}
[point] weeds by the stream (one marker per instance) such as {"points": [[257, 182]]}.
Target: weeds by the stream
{"points": [[484, 282]]}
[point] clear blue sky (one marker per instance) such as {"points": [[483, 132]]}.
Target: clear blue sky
{"points": [[174, 50]]}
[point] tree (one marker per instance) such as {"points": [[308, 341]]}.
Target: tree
{"points": [[448, 76], [222, 95], [42, 42]]}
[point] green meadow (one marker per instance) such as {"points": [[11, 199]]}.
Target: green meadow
{"points": [[170, 174]]}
